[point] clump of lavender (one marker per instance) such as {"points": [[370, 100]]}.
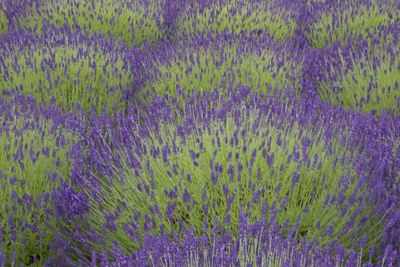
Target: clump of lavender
{"points": [[368, 81], [34, 161], [348, 21], [225, 65], [73, 69], [236, 17], [357, 52], [272, 161], [133, 22], [199, 178]]}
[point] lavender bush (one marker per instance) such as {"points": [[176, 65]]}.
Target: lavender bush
{"points": [[358, 62], [34, 161], [369, 83], [237, 17], [167, 173], [350, 21], [199, 133], [72, 69], [132, 22], [226, 65]]}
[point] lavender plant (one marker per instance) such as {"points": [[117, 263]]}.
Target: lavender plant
{"points": [[237, 17], [203, 173], [277, 253], [253, 173], [265, 67], [132, 22], [368, 83], [354, 19], [33, 161], [73, 71]]}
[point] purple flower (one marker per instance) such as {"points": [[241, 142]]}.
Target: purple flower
{"points": [[192, 154], [270, 159], [170, 211], [235, 135], [13, 180], [225, 188], [186, 196], [328, 196], [231, 172], [229, 156], [165, 153], [279, 140], [253, 156], [204, 195], [372, 252], [227, 219], [363, 241], [174, 168], [214, 177]]}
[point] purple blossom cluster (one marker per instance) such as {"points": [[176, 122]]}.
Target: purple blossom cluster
{"points": [[239, 174]]}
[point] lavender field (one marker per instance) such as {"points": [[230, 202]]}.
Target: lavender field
{"points": [[199, 133]]}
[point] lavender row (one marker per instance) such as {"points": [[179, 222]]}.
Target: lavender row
{"points": [[249, 123]]}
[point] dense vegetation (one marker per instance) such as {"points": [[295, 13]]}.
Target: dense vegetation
{"points": [[199, 133]]}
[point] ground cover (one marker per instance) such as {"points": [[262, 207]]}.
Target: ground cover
{"points": [[226, 133]]}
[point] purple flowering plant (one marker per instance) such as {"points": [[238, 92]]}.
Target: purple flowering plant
{"points": [[34, 161], [351, 21], [259, 65], [132, 22], [199, 133], [73, 70], [372, 84], [355, 47], [196, 175], [236, 17]]}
